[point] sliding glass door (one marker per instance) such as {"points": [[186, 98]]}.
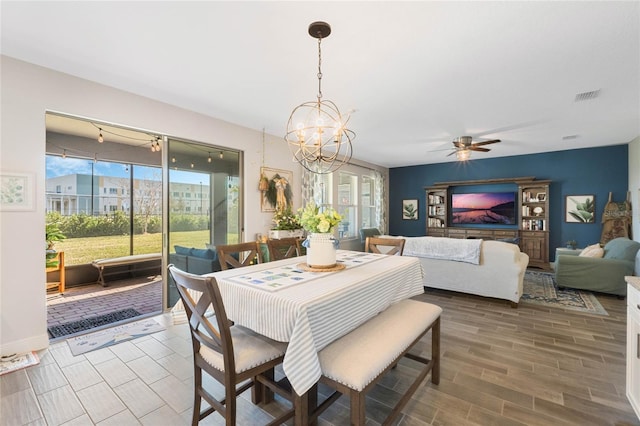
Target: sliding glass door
{"points": [[203, 208]]}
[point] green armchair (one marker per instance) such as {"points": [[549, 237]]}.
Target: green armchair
{"points": [[606, 274]]}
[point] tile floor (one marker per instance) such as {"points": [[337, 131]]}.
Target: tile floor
{"points": [[144, 381]]}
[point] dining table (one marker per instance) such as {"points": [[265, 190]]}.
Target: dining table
{"points": [[287, 301]]}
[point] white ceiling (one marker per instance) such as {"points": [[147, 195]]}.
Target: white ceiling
{"points": [[417, 74]]}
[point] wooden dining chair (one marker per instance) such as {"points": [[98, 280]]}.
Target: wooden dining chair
{"points": [[284, 248], [392, 246], [233, 355], [238, 255]]}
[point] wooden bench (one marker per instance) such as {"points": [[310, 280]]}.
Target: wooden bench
{"points": [[353, 364], [151, 258]]}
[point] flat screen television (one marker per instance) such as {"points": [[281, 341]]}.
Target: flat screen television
{"points": [[483, 208]]}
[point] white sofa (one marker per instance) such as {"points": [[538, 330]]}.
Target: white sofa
{"points": [[499, 272]]}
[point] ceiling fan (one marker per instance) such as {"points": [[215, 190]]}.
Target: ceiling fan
{"points": [[463, 146]]}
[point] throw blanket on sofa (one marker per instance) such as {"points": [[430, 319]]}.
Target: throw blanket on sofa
{"points": [[444, 248]]}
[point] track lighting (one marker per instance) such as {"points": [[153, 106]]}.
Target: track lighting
{"points": [[221, 155], [100, 137], [64, 153], [209, 159]]}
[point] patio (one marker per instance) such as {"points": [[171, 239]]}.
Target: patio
{"points": [[144, 294]]}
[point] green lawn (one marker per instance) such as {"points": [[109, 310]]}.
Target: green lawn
{"points": [[85, 250]]}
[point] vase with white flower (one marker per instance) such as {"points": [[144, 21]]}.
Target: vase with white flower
{"points": [[320, 243]]}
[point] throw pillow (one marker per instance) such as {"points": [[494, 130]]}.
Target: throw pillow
{"points": [[203, 253], [592, 251], [182, 250]]}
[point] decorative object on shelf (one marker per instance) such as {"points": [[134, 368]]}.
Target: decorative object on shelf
{"points": [[17, 191], [572, 244], [320, 243], [286, 225], [316, 132], [278, 195], [410, 209], [538, 211], [580, 209]]}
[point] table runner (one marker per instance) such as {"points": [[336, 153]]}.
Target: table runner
{"points": [[280, 277], [312, 315]]}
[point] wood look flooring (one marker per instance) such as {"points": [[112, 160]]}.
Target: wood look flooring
{"points": [[500, 366]]}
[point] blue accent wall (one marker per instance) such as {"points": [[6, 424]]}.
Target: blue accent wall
{"points": [[596, 171]]}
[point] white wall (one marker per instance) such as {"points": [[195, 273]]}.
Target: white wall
{"points": [[29, 91]]}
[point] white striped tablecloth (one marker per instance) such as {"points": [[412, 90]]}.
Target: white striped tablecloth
{"points": [[312, 315]]}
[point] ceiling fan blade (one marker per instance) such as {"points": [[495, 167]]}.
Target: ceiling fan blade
{"points": [[451, 153], [458, 144], [486, 142], [477, 148]]}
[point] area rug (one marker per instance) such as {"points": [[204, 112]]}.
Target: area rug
{"points": [[540, 288], [16, 362], [111, 336], [92, 322]]}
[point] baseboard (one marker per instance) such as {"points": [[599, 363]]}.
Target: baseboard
{"points": [[33, 343]]}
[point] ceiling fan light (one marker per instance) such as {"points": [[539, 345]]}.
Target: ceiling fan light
{"points": [[463, 154]]}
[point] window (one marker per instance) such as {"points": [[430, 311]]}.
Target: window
{"points": [[347, 204], [100, 189], [367, 202], [355, 192]]}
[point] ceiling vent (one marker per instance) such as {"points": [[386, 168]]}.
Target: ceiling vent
{"points": [[586, 96], [569, 137]]}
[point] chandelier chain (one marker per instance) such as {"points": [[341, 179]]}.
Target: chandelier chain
{"points": [[319, 69]]}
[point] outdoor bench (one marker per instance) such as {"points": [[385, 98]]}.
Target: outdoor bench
{"points": [[151, 261]]}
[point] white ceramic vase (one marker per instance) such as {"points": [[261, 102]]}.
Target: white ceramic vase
{"points": [[321, 251]]}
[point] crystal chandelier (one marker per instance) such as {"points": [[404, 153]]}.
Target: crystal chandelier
{"points": [[316, 132]]}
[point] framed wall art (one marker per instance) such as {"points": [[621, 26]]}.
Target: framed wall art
{"points": [[580, 209], [410, 209], [278, 193], [17, 191]]}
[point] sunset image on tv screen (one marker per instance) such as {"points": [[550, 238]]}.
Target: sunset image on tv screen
{"points": [[484, 208]]}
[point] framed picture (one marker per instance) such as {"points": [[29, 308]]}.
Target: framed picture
{"points": [[410, 209], [278, 192], [541, 196], [17, 191], [580, 208]]}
